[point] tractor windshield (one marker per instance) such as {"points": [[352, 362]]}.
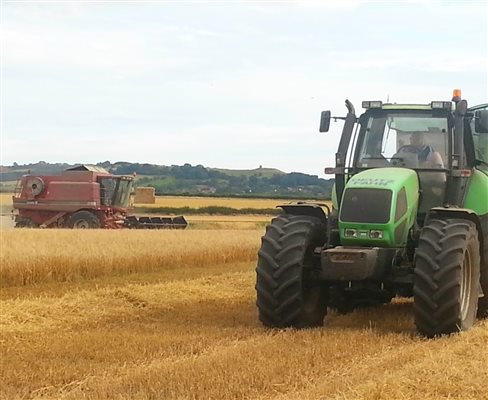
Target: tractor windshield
{"points": [[480, 144], [416, 140]]}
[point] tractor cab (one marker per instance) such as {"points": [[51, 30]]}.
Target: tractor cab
{"points": [[415, 137], [437, 141]]}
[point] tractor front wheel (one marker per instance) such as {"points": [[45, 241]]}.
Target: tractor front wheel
{"points": [[83, 220], [289, 293], [446, 277]]}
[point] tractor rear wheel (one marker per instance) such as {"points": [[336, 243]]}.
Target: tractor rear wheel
{"points": [[83, 220], [289, 293], [446, 277], [483, 301]]}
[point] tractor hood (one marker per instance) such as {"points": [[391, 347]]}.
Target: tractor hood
{"points": [[378, 207]]}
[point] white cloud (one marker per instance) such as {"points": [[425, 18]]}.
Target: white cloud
{"points": [[414, 58], [271, 5], [87, 49], [221, 85]]}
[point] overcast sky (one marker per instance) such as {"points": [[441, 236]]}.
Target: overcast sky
{"points": [[222, 83]]}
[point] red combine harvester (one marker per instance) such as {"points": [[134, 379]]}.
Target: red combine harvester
{"points": [[84, 197]]}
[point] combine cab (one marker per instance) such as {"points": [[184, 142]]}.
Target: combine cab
{"points": [[84, 197]]}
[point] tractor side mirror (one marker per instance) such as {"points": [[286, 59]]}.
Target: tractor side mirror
{"points": [[481, 121], [324, 121]]}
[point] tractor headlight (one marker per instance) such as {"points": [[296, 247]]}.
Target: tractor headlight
{"points": [[441, 104], [375, 234], [372, 104], [348, 232]]}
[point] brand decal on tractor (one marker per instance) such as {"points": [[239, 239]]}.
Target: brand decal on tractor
{"points": [[369, 181]]}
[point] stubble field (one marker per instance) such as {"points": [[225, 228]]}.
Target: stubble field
{"points": [[172, 315], [200, 202]]}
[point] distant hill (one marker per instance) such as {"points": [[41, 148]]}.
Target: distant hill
{"points": [[264, 172], [194, 180]]}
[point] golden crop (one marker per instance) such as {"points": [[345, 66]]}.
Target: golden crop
{"points": [[184, 337], [245, 222], [198, 202], [35, 255], [172, 315], [6, 199]]}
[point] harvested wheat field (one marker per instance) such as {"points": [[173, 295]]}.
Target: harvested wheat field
{"points": [[171, 315], [233, 202]]}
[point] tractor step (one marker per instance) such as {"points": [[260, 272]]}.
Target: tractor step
{"points": [[145, 222]]}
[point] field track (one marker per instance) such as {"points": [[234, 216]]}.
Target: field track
{"points": [[189, 330]]}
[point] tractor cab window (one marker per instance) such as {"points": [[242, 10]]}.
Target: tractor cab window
{"points": [[411, 140], [416, 140], [480, 145]]}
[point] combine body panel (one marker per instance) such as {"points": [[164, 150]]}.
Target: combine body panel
{"points": [[84, 197], [409, 219]]}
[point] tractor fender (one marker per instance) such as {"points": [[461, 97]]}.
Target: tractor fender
{"points": [[481, 222], [317, 210]]}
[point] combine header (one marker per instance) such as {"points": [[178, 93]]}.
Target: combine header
{"points": [[84, 197]]}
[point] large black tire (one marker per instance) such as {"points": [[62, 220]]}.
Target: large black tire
{"points": [[83, 220], [22, 222], [446, 277], [483, 301], [289, 293]]}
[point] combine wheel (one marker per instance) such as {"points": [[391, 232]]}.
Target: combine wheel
{"points": [[288, 291], [83, 220], [25, 223], [447, 273]]}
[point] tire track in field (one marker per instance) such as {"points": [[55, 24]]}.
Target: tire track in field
{"points": [[420, 369], [200, 339], [90, 305], [265, 364]]}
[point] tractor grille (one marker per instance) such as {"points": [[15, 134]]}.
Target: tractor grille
{"points": [[366, 205]]}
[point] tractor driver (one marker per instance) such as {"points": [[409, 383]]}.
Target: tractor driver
{"points": [[427, 156]]}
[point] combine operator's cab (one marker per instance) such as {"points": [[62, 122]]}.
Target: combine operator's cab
{"points": [[409, 218], [115, 191]]}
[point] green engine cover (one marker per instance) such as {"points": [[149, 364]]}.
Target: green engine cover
{"points": [[378, 207]]}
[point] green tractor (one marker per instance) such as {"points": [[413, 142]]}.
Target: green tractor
{"points": [[409, 219]]}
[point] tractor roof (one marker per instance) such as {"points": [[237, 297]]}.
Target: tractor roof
{"points": [[389, 106], [433, 105]]}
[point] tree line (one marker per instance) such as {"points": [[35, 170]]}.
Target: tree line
{"points": [[196, 180]]}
